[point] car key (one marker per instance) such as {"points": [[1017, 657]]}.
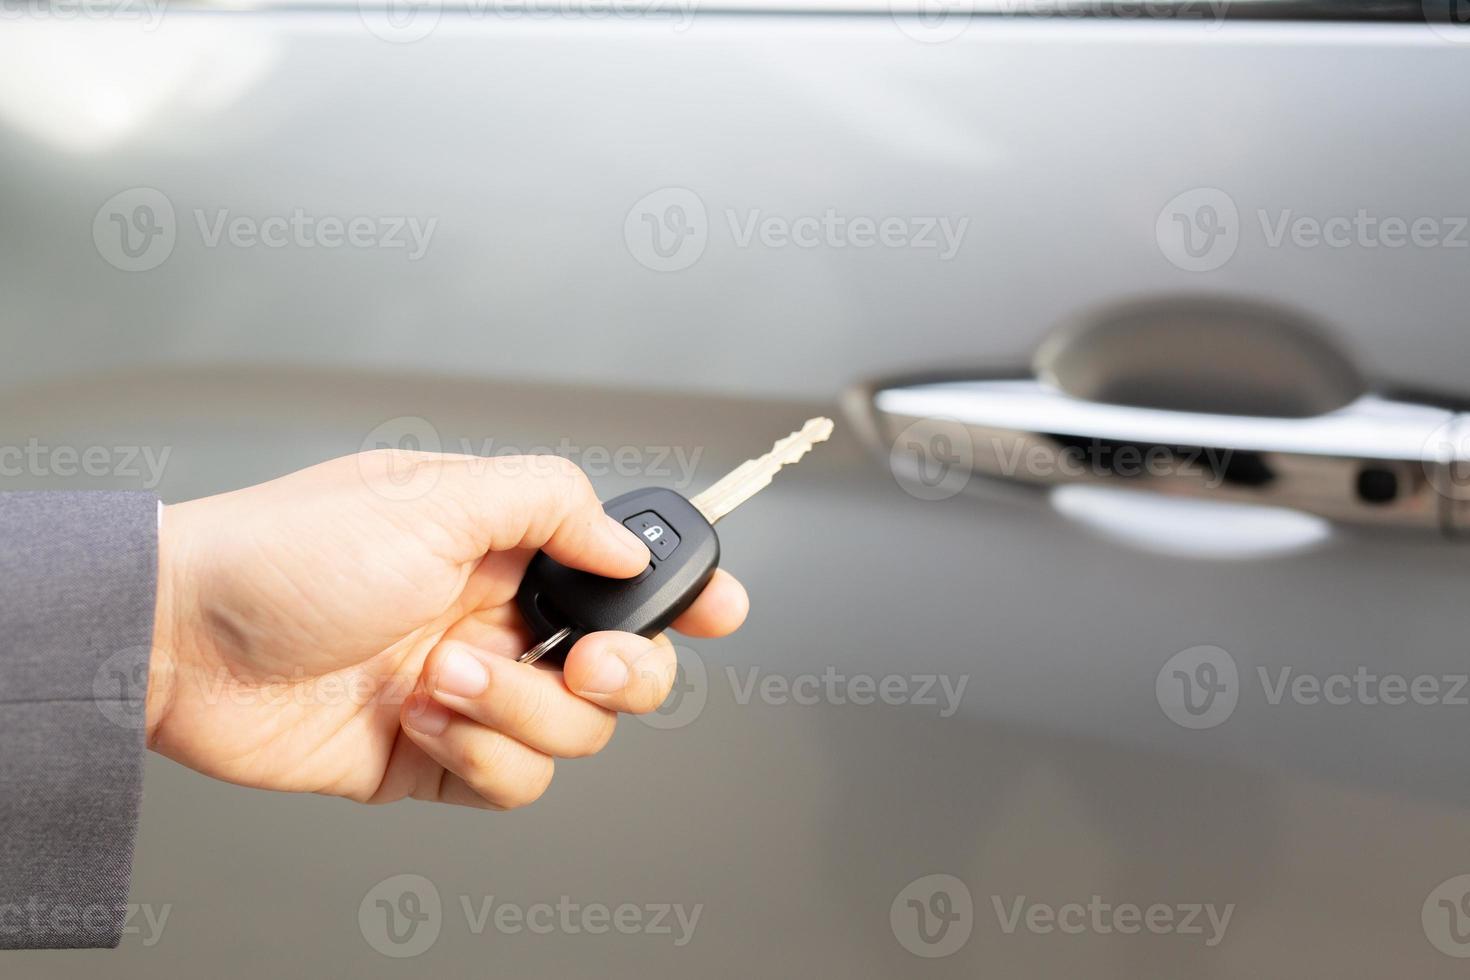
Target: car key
{"points": [[561, 604]]}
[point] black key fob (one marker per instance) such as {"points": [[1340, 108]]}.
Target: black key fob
{"points": [[684, 552]]}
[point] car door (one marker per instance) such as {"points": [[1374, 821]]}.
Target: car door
{"points": [[978, 722]]}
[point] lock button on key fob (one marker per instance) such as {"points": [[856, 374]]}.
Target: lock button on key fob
{"points": [[685, 552], [655, 532]]}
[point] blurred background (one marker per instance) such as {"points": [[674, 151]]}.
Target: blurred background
{"points": [[1119, 630]]}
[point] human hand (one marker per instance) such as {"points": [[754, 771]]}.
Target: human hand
{"points": [[350, 629]]}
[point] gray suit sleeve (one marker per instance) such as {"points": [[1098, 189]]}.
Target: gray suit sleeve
{"points": [[77, 579]]}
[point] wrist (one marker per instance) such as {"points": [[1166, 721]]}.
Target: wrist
{"points": [[165, 629]]}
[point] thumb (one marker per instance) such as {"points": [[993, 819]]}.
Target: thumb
{"points": [[507, 502]]}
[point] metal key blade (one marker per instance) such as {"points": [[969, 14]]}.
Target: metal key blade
{"points": [[752, 476]]}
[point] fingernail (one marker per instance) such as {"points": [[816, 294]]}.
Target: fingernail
{"points": [[427, 718], [629, 541], [608, 674], [461, 674]]}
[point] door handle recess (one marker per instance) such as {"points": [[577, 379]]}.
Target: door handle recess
{"points": [[1373, 461]]}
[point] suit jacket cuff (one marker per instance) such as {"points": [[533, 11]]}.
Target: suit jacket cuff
{"points": [[78, 574]]}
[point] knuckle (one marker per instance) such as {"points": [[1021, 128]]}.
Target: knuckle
{"points": [[460, 792], [528, 786], [528, 708], [398, 462], [481, 758], [575, 488], [564, 491], [596, 739], [500, 777], [550, 467], [562, 466]]}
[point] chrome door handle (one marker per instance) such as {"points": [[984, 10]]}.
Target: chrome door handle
{"points": [[1373, 461]]}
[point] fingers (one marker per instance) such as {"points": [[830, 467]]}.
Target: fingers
{"points": [[483, 767], [528, 502], [719, 610], [494, 724], [621, 671], [530, 705]]}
